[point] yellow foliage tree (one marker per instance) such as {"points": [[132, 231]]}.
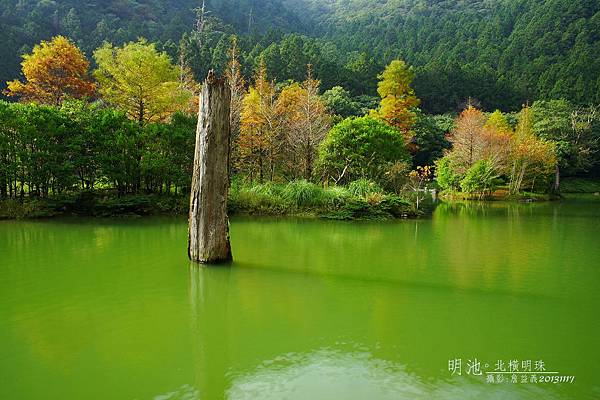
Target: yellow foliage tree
{"points": [[498, 122], [497, 134], [532, 158], [141, 81], [398, 99], [233, 73], [54, 71]]}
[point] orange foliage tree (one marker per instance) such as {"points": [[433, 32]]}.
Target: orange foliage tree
{"points": [[497, 135], [259, 140], [468, 140], [54, 71], [306, 122]]}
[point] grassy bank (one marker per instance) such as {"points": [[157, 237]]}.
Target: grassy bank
{"points": [[359, 200], [498, 195], [95, 204], [570, 188], [587, 189], [580, 185]]}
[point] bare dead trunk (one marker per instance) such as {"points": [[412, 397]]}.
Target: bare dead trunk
{"points": [[556, 187], [208, 221]]}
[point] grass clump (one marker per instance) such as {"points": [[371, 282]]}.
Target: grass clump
{"points": [[334, 196], [363, 187], [262, 199], [303, 194]]}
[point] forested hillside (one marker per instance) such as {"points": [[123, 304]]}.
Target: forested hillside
{"points": [[524, 48], [502, 53], [24, 23]]}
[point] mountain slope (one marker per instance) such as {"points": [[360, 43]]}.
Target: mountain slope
{"points": [[24, 23], [532, 48], [501, 52]]}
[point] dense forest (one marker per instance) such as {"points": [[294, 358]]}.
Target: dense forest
{"points": [[502, 54]]}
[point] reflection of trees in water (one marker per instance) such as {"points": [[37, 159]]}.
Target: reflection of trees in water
{"points": [[281, 324], [513, 246], [472, 208]]}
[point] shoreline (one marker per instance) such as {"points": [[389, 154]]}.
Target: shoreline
{"points": [[157, 205], [101, 205]]}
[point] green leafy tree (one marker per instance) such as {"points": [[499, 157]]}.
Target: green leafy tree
{"points": [[430, 138], [481, 178], [166, 165], [360, 148], [121, 151], [9, 144], [445, 174], [574, 130], [339, 102], [85, 139]]}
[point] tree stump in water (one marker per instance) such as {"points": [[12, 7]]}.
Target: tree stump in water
{"points": [[208, 235]]}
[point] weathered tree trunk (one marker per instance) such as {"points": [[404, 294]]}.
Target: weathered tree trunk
{"points": [[556, 186], [208, 221]]}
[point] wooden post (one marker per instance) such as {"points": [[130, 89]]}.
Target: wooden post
{"points": [[208, 235]]}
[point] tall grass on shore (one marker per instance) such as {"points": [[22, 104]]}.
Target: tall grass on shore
{"points": [[359, 200]]}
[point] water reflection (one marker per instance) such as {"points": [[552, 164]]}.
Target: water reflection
{"points": [[107, 309], [276, 335], [330, 374], [185, 392]]}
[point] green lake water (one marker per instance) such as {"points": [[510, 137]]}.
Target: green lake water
{"points": [[310, 309]]}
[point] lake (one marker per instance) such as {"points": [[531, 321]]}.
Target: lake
{"points": [[310, 309]]}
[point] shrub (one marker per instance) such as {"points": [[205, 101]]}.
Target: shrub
{"points": [[264, 198], [397, 176], [376, 207], [267, 189], [445, 174], [480, 178]]}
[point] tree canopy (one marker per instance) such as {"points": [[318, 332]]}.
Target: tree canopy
{"points": [[361, 148], [54, 71], [140, 80]]}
